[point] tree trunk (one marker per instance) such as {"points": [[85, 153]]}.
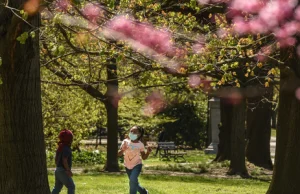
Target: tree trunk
{"points": [[237, 162], [287, 157], [259, 132], [111, 105], [225, 131], [22, 156]]}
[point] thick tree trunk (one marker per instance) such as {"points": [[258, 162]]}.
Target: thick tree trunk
{"points": [[237, 162], [224, 152], [259, 132], [111, 105], [22, 156], [287, 157]]}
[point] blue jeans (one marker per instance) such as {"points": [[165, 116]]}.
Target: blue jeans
{"points": [[133, 175], [61, 179]]}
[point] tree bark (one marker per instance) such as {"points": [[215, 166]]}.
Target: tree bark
{"points": [[237, 162], [111, 105], [259, 132], [224, 147], [22, 156], [287, 156]]}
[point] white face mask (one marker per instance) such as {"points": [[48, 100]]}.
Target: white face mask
{"points": [[133, 136]]}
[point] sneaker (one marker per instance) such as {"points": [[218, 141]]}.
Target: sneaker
{"points": [[147, 192]]}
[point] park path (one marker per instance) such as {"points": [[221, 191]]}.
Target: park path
{"points": [[272, 147]]}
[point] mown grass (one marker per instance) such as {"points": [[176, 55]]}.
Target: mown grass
{"points": [[196, 162], [162, 184], [273, 132], [93, 180]]}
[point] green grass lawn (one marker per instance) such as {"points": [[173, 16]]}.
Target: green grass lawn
{"points": [[273, 132], [159, 184]]}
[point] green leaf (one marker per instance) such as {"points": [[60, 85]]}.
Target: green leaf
{"points": [[23, 37], [32, 34], [61, 49], [25, 15], [112, 4]]}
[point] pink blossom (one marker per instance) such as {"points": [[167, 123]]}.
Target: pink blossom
{"points": [[232, 13], [233, 97], [220, 1], [92, 11], [194, 81], [240, 26], [203, 2], [281, 33], [198, 48], [180, 53], [222, 33], [155, 103], [257, 26], [287, 42], [252, 6], [63, 4], [298, 51], [158, 40], [263, 53], [291, 28], [122, 24], [297, 13], [297, 93], [143, 35], [276, 11], [275, 16], [287, 30]]}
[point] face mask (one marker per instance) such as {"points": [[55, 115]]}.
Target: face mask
{"points": [[133, 136]]}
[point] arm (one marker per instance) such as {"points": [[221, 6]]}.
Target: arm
{"points": [[120, 152], [124, 146], [66, 166], [145, 155]]}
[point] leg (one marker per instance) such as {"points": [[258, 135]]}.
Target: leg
{"points": [[67, 181], [58, 185], [128, 171], [134, 183]]}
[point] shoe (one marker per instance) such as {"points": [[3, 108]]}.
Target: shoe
{"points": [[147, 192]]}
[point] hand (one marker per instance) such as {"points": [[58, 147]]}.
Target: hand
{"points": [[124, 146], [149, 149], [69, 173]]}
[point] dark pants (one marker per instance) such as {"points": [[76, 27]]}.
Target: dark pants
{"points": [[61, 179], [133, 175]]}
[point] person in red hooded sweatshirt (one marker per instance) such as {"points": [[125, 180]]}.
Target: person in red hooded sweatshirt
{"points": [[63, 160]]}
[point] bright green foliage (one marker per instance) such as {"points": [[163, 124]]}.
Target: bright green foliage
{"points": [[68, 107], [78, 56], [82, 158], [24, 14], [23, 37], [32, 34]]}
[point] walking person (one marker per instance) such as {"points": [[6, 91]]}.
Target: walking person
{"points": [[63, 160], [134, 151]]}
